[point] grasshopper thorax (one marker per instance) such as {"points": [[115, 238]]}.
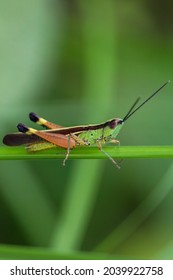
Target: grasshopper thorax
{"points": [[114, 127]]}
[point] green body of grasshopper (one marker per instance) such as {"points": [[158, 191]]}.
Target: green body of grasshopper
{"points": [[70, 137], [105, 134]]}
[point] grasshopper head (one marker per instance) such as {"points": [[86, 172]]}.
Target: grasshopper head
{"points": [[115, 125]]}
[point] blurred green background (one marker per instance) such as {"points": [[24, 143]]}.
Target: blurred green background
{"points": [[80, 62]]}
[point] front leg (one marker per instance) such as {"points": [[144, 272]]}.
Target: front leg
{"points": [[114, 141]]}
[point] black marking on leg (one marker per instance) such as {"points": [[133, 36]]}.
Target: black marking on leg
{"points": [[22, 128], [33, 117]]}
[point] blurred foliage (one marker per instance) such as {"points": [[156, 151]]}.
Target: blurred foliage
{"points": [[77, 62]]}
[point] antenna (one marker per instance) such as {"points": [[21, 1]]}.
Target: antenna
{"points": [[126, 116], [130, 112]]}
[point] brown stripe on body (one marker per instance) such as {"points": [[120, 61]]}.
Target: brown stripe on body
{"points": [[78, 129]]}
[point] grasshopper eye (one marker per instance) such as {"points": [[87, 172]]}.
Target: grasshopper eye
{"points": [[113, 123]]}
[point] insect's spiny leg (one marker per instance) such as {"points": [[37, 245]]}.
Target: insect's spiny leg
{"points": [[102, 138], [68, 150], [113, 161], [77, 140]]}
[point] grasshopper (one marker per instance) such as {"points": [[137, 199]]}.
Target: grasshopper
{"points": [[71, 137]]}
